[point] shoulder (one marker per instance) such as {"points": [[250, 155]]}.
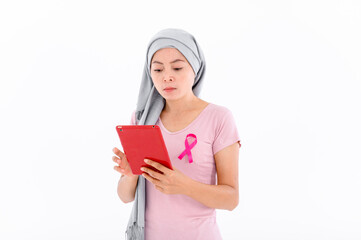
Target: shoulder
{"points": [[217, 117], [223, 127], [218, 111]]}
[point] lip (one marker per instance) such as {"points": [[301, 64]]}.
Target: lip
{"points": [[169, 89]]}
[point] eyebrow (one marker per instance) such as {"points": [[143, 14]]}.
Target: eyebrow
{"points": [[177, 60]]}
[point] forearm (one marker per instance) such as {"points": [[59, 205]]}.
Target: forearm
{"points": [[126, 188], [213, 196]]}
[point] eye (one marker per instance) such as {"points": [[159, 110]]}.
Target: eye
{"points": [[159, 70]]}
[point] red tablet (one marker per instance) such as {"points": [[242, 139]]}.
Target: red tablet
{"points": [[140, 142]]}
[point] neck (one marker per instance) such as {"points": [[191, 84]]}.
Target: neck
{"points": [[181, 105]]}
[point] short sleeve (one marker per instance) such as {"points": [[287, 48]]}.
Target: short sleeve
{"points": [[226, 132]]}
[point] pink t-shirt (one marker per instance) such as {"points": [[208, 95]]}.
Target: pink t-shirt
{"points": [[176, 216]]}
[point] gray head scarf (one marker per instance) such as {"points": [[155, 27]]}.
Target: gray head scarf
{"points": [[150, 104]]}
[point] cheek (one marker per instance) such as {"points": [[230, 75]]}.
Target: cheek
{"points": [[155, 80], [190, 79]]}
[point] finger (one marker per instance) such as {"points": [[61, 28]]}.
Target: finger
{"points": [[118, 169], [121, 163], [159, 189], [152, 173], [151, 179], [157, 165], [116, 159], [118, 152]]}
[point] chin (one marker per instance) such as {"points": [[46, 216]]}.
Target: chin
{"points": [[170, 97]]}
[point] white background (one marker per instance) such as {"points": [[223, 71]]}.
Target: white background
{"points": [[288, 70]]}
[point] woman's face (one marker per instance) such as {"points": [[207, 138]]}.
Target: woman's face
{"points": [[171, 73]]}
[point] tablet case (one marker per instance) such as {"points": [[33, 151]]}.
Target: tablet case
{"points": [[140, 142]]}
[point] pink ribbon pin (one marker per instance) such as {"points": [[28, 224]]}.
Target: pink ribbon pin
{"points": [[188, 148]]}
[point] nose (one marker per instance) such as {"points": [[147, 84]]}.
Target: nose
{"points": [[168, 78]]}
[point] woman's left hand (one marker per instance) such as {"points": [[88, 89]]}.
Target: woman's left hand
{"points": [[167, 181]]}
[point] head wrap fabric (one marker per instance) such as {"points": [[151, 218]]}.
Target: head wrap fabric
{"points": [[150, 104]]}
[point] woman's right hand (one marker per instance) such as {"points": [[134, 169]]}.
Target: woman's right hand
{"points": [[122, 161]]}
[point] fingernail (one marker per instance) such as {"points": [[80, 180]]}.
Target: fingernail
{"points": [[146, 160]]}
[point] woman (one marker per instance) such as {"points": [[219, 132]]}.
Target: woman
{"points": [[180, 203]]}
